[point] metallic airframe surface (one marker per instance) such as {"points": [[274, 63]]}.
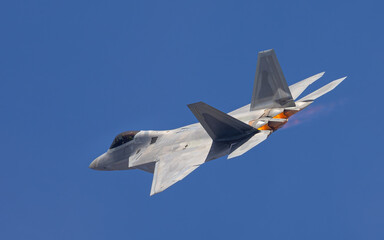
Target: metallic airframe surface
{"points": [[172, 155]]}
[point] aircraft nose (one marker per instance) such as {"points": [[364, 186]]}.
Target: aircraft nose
{"points": [[94, 163]]}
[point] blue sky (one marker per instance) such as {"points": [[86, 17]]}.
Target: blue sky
{"points": [[73, 74]]}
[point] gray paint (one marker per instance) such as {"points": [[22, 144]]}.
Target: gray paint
{"points": [[220, 126], [270, 88]]}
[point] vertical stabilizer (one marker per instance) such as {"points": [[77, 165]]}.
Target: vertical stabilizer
{"points": [[270, 88]]}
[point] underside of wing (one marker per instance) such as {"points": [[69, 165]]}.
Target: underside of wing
{"points": [[174, 166], [299, 87], [249, 144], [320, 92]]}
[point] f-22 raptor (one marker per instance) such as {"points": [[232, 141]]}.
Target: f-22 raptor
{"points": [[172, 155]]}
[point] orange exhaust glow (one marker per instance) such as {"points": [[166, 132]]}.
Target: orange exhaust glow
{"points": [[271, 125], [265, 127], [281, 115]]}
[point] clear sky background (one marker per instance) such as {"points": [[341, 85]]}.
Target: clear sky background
{"points": [[73, 74]]}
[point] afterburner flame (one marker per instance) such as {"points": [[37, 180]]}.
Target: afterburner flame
{"points": [[274, 125], [281, 115], [265, 127]]}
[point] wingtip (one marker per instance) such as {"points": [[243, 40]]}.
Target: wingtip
{"points": [[323, 90], [338, 81], [318, 76], [156, 191], [153, 192]]}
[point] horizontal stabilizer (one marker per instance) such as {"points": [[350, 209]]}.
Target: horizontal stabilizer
{"points": [[220, 126], [270, 88], [320, 92], [248, 145], [298, 88]]}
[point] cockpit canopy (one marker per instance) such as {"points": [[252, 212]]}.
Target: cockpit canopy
{"points": [[123, 138]]}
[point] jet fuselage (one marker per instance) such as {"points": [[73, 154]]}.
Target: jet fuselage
{"points": [[193, 135]]}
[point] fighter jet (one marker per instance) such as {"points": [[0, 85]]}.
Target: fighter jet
{"points": [[172, 155]]}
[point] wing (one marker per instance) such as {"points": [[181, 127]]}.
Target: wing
{"points": [[299, 87], [249, 144], [321, 91], [174, 166]]}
